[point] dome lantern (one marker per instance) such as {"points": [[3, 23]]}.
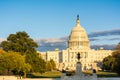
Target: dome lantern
{"points": [[77, 21]]}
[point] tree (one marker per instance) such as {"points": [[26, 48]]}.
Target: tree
{"points": [[22, 43], [37, 63], [2, 51], [118, 46], [50, 65], [25, 69], [116, 55], [113, 62], [109, 63], [53, 64], [19, 42], [14, 61]]}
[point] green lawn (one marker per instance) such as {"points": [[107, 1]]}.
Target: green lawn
{"points": [[57, 74], [107, 74], [52, 74], [104, 74]]}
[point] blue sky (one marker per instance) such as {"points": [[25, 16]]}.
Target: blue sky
{"points": [[44, 19]]}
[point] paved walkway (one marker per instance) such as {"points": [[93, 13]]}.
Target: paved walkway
{"points": [[59, 79], [15, 78], [41, 79]]}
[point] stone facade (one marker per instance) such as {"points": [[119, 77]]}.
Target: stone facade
{"points": [[78, 42]]}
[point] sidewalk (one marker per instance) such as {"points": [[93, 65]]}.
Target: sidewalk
{"points": [[15, 78]]}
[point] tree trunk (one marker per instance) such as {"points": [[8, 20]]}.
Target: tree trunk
{"points": [[24, 75]]}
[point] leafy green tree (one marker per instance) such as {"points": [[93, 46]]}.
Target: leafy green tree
{"points": [[14, 61], [26, 69], [22, 43], [37, 63], [116, 55], [19, 42], [113, 62], [50, 65], [53, 64], [109, 63]]}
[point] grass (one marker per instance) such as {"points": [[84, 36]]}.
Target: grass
{"points": [[107, 74], [52, 74], [103, 74], [57, 74]]}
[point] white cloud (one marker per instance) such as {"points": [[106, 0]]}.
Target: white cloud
{"points": [[2, 39], [62, 42], [105, 33], [52, 40]]}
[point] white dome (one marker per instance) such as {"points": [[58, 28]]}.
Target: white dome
{"points": [[78, 37]]}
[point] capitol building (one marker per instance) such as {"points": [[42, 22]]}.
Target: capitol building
{"points": [[78, 43]]}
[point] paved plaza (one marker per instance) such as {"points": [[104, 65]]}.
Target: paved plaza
{"points": [[59, 79]]}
